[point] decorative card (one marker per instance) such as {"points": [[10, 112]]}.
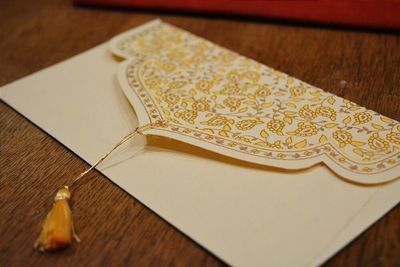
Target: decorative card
{"points": [[213, 98], [246, 214]]}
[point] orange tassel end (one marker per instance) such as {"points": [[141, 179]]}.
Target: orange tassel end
{"points": [[58, 229]]}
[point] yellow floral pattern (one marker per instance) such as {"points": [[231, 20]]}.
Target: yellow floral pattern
{"points": [[212, 94]]}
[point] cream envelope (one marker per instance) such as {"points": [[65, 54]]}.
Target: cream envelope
{"points": [[244, 213]]}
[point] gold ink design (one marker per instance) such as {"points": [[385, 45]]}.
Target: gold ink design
{"points": [[213, 97]]}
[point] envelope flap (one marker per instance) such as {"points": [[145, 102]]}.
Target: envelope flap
{"points": [[214, 98]]}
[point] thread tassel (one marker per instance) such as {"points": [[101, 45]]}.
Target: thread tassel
{"points": [[58, 228]]}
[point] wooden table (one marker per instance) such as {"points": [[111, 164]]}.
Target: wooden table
{"points": [[359, 65]]}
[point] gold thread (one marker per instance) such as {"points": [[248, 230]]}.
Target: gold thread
{"points": [[138, 130]]}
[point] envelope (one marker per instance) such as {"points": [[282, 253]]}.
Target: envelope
{"points": [[244, 213]]}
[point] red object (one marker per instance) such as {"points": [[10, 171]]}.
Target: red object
{"points": [[364, 13]]}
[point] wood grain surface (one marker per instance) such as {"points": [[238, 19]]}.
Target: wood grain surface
{"points": [[361, 66]]}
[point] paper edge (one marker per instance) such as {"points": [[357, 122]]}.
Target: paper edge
{"points": [[360, 223], [112, 44]]}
